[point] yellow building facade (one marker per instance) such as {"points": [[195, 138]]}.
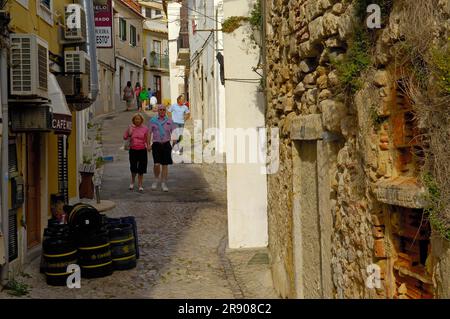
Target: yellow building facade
{"points": [[38, 160]]}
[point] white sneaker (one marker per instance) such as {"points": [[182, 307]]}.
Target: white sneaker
{"points": [[154, 185], [131, 187], [164, 187]]}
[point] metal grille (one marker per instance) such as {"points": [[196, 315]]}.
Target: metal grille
{"points": [[21, 64], [13, 238], [73, 62], [63, 168], [43, 67]]}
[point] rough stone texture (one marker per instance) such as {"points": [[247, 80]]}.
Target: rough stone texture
{"points": [[332, 114], [400, 192], [307, 127], [362, 160]]}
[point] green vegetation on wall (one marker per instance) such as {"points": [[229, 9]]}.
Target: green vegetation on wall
{"points": [[441, 61], [435, 206], [255, 19], [356, 60]]}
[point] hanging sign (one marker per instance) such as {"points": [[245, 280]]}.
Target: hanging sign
{"points": [[103, 12]]}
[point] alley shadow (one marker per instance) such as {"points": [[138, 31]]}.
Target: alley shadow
{"points": [[164, 219]]}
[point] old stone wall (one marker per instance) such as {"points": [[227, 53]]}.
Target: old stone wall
{"points": [[371, 177]]}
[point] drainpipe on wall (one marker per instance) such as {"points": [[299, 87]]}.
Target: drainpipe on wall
{"points": [[91, 44], [4, 164]]}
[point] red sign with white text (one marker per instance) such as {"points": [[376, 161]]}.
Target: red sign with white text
{"points": [[103, 23]]}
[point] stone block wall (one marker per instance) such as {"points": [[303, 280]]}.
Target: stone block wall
{"points": [[368, 175]]}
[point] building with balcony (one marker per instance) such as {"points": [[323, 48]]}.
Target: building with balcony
{"points": [[183, 55], [177, 72], [156, 51], [128, 47], [199, 48]]}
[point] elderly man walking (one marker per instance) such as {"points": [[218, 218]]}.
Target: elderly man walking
{"points": [[161, 128]]}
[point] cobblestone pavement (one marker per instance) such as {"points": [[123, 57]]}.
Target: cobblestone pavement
{"points": [[182, 236]]}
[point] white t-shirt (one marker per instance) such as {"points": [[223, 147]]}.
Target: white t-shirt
{"points": [[153, 100], [178, 112]]}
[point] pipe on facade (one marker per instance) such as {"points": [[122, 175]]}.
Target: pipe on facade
{"points": [[89, 8], [4, 165]]}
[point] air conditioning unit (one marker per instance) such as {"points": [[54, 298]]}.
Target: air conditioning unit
{"points": [[83, 85], [75, 23], [29, 66], [35, 118], [75, 86], [67, 84], [77, 62]]}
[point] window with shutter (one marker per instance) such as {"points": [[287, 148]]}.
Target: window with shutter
{"points": [[122, 29], [132, 36], [13, 248]]}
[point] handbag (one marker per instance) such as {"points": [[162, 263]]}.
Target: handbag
{"points": [[127, 142]]}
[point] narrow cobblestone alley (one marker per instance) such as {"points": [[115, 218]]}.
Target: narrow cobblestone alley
{"points": [[182, 236]]}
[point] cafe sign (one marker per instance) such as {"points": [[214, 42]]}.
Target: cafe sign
{"points": [[62, 124]]}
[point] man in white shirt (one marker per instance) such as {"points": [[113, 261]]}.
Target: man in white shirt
{"points": [[180, 113]]}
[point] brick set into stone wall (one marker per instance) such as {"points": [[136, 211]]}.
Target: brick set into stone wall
{"points": [[366, 172]]}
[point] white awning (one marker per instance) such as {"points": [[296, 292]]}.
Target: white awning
{"points": [[58, 100], [62, 117]]}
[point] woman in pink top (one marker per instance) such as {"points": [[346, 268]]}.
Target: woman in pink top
{"points": [[139, 146]]}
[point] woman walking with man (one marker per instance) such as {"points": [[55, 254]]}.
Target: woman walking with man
{"points": [[138, 134]]}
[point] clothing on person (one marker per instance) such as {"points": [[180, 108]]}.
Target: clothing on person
{"points": [[128, 95], [162, 153], [179, 132], [161, 129], [138, 161], [153, 101], [137, 91], [143, 96], [178, 112], [139, 137], [129, 104]]}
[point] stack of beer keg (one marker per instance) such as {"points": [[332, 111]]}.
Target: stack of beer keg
{"points": [[97, 244]]}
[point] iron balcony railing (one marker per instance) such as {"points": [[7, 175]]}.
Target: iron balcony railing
{"points": [[159, 61]]}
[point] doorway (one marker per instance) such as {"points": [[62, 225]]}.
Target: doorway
{"points": [[33, 190], [314, 152]]}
